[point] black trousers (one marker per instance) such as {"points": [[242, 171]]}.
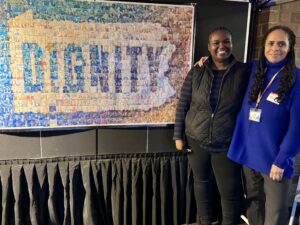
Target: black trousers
{"points": [[267, 200], [228, 178]]}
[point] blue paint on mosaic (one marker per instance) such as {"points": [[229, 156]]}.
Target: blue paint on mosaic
{"points": [[82, 11], [27, 48], [99, 67]]}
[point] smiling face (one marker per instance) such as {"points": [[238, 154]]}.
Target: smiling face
{"points": [[220, 46], [276, 46]]}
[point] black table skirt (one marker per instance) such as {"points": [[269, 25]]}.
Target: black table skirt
{"points": [[122, 189]]}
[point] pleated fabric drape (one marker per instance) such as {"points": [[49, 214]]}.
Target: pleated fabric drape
{"points": [[121, 189]]}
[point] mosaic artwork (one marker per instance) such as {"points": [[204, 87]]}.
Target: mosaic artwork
{"points": [[90, 63]]}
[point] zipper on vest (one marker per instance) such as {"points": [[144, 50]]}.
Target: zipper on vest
{"points": [[210, 127], [214, 112], [212, 115]]}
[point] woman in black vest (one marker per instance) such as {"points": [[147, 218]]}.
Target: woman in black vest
{"points": [[210, 100]]}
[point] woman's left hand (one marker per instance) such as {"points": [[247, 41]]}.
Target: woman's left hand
{"points": [[276, 173]]}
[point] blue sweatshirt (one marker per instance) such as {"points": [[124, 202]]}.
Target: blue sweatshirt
{"points": [[276, 138]]}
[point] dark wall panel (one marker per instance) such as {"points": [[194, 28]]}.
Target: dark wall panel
{"points": [[216, 13], [21, 145], [68, 143], [119, 140], [161, 139]]}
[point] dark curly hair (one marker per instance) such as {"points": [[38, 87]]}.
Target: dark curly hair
{"points": [[288, 77]]}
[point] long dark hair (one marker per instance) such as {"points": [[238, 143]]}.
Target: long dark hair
{"points": [[288, 77]]}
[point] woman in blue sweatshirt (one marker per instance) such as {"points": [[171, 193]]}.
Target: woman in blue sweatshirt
{"points": [[266, 137]]}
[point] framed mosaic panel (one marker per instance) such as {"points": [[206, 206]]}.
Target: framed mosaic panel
{"points": [[68, 63]]}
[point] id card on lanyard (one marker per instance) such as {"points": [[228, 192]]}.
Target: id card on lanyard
{"points": [[255, 113]]}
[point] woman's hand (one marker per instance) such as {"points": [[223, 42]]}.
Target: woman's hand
{"points": [[201, 61], [276, 173], [179, 144]]}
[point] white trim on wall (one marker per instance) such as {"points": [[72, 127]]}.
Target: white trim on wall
{"points": [[247, 32]]}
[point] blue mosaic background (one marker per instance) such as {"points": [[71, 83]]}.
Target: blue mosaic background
{"points": [[80, 12]]}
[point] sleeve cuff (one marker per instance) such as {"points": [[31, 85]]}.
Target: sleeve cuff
{"points": [[280, 163]]}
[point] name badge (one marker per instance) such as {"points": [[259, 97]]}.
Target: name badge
{"points": [[272, 98], [255, 114]]}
